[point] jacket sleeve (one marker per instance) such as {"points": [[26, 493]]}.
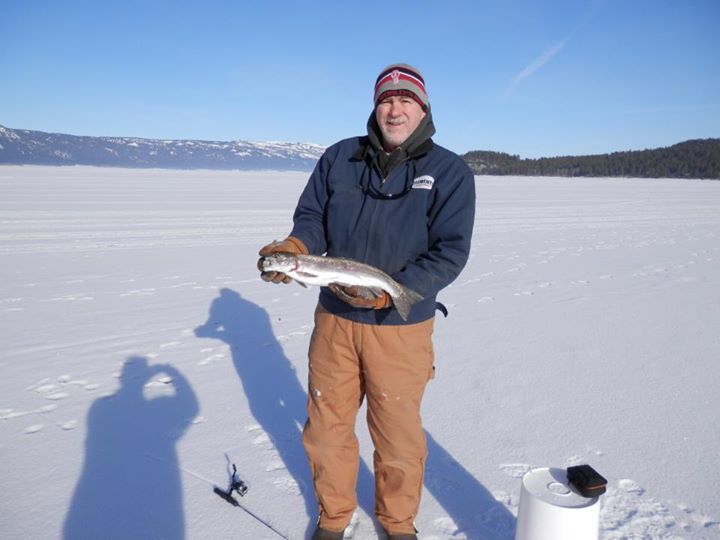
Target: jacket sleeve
{"points": [[309, 217], [450, 225]]}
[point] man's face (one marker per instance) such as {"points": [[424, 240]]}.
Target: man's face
{"points": [[397, 116]]}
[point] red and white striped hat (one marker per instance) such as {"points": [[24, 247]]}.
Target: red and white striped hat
{"points": [[401, 80]]}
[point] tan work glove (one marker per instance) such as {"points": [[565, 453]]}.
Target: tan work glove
{"points": [[289, 245], [361, 297]]}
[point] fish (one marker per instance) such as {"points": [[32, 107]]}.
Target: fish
{"points": [[322, 271]]}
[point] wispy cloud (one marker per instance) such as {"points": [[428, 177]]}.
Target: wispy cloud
{"points": [[551, 52], [536, 64], [539, 62]]}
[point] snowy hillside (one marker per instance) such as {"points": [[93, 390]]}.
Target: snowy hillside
{"points": [[25, 147], [141, 354]]}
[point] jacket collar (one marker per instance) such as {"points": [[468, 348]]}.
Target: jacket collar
{"points": [[418, 143]]}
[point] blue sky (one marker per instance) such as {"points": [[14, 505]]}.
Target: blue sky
{"points": [[534, 78]]}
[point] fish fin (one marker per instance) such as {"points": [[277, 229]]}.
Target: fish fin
{"points": [[376, 291], [305, 274], [404, 302], [301, 284], [369, 293], [412, 295]]}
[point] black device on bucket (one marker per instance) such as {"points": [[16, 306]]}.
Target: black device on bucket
{"points": [[586, 480]]}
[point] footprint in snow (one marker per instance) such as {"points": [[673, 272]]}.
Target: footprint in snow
{"points": [[446, 527], [524, 293], [275, 466], [630, 486], [69, 425], [627, 513], [574, 460], [262, 439], [515, 470], [45, 409], [211, 358], [35, 428], [57, 396], [159, 382], [185, 284], [7, 414], [38, 384], [505, 498], [288, 484], [71, 298], [140, 292], [290, 335], [486, 299]]}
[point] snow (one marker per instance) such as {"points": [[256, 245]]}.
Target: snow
{"points": [[141, 353]]}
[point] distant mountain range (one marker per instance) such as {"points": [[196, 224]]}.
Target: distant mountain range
{"points": [[25, 147], [698, 158]]}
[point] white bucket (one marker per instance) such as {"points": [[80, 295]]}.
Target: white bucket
{"points": [[550, 509]]}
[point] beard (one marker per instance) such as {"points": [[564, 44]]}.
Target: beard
{"points": [[395, 137]]}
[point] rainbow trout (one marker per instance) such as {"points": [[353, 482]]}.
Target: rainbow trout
{"points": [[322, 271]]}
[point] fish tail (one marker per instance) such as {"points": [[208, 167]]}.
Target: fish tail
{"points": [[404, 302]]}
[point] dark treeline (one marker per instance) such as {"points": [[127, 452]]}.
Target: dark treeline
{"points": [[698, 158]]}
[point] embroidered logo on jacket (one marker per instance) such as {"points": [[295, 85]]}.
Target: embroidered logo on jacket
{"points": [[423, 182]]}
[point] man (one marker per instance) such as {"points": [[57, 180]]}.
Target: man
{"points": [[397, 201]]}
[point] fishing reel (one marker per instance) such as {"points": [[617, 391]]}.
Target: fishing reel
{"points": [[235, 485]]}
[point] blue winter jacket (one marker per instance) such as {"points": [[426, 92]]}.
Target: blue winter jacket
{"points": [[416, 225]]}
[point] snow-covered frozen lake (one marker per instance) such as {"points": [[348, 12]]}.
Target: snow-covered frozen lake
{"points": [[141, 352]]}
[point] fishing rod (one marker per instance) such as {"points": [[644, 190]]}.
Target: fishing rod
{"points": [[235, 485]]}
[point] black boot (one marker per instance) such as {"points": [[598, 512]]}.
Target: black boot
{"points": [[324, 534], [403, 536]]}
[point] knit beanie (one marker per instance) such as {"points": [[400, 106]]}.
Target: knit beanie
{"points": [[401, 80]]}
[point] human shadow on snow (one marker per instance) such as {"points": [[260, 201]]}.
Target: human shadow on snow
{"points": [[473, 509], [277, 400], [130, 484]]}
